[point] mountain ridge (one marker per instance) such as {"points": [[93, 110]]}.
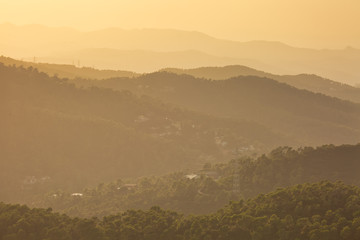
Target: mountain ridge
{"points": [[312, 82]]}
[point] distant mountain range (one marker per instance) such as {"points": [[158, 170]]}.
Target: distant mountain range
{"points": [[312, 83], [149, 46]]}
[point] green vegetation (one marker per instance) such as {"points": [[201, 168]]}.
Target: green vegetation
{"points": [[214, 185], [309, 211]]}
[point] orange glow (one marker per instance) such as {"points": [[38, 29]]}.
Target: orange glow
{"points": [[303, 23]]}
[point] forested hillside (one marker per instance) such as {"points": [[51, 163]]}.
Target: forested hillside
{"points": [[305, 117], [55, 135], [209, 189], [309, 211]]}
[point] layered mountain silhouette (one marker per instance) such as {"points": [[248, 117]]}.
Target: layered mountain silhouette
{"points": [[309, 82], [64, 44]]}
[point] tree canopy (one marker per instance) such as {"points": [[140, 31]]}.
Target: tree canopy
{"points": [[321, 210]]}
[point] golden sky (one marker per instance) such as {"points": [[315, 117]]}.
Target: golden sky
{"points": [[303, 23]]}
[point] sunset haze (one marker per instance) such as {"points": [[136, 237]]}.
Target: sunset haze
{"points": [[314, 24]]}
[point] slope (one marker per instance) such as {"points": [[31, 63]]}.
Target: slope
{"points": [[305, 117], [58, 135]]}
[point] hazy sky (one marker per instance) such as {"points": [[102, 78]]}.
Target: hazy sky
{"points": [[303, 23]]}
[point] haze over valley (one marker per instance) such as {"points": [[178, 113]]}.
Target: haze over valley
{"points": [[179, 120]]}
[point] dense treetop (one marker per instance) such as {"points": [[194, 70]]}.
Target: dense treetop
{"points": [[214, 186], [323, 210]]}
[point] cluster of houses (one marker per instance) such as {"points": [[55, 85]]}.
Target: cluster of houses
{"points": [[212, 174]]}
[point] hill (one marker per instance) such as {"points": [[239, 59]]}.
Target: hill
{"points": [[55, 135], [308, 82], [310, 211], [305, 117]]}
